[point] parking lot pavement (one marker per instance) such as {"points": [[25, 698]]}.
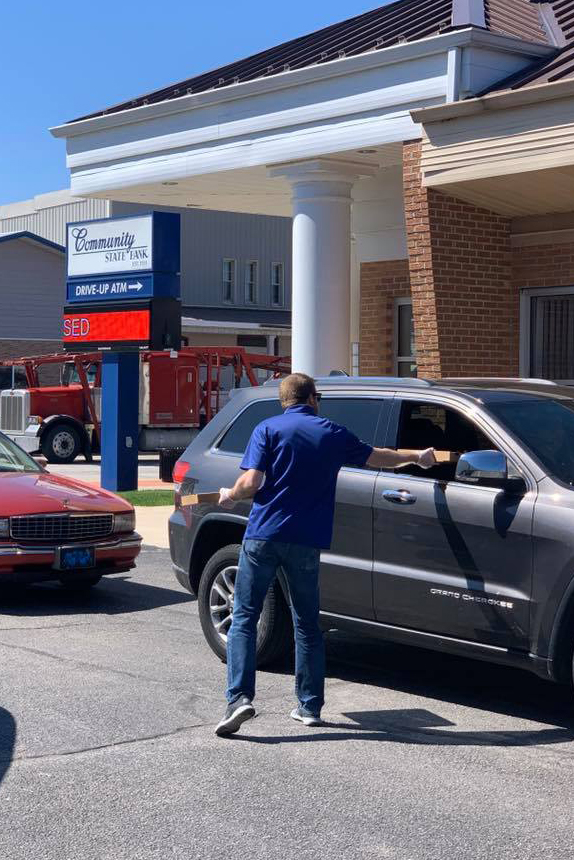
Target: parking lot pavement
{"points": [[108, 705]]}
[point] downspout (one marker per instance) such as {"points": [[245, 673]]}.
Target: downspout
{"points": [[453, 74]]}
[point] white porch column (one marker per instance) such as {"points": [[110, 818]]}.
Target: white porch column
{"points": [[321, 261]]}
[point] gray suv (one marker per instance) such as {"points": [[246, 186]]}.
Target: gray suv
{"points": [[474, 557]]}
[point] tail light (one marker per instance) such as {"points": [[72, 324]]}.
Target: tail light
{"points": [[179, 471]]}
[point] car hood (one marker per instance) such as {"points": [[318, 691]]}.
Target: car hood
{"points": [[43, 493]]}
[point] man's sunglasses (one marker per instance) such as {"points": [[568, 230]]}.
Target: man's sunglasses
{"points": [[317, 396]]}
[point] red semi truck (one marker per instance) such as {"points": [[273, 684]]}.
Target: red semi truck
{"points": [[178, 393]]}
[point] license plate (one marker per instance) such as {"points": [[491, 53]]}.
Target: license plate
{"points": [[75, 557]]}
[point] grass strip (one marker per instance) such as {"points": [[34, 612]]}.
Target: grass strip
{"points": [[148, 498]]}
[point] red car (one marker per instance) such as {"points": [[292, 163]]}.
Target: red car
{"points": [[53, 527]]}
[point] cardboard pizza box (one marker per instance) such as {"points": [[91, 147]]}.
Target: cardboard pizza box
{"points": [[198, 498], [441, 456]]}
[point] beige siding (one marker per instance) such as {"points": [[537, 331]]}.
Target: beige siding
{"points": [[499, 142]]}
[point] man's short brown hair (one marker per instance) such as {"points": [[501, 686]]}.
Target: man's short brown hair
{"points": [[296, 388]]}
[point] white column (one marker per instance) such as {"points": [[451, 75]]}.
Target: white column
{"points": [[321, 261]]}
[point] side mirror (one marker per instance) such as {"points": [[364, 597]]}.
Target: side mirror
{"points": [[40, 460], [482, 467]]}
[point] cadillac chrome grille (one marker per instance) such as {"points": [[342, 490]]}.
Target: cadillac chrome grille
{"points": [[55, 528]]}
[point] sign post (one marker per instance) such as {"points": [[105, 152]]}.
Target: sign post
{"points": [[123, 296]]}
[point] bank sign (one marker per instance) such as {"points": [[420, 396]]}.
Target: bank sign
{"points": [[122, 245], [114, 263]]}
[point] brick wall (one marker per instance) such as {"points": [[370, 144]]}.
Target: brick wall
{"points": [[543, 265], [381, 284], [464, 304]]}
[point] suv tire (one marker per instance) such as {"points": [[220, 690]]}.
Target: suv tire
{"points": [[61, 444], [275, 630]]}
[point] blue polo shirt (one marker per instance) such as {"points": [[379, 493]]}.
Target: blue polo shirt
{"points": [[300, 454]]}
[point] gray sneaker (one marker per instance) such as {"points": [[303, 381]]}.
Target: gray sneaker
{"points": [[236, 714], [306, 717]]}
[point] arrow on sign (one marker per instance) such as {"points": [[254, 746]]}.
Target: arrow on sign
{"points": [[137, 286]]}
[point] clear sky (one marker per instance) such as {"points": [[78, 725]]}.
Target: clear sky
{"points": [[63, 59]]}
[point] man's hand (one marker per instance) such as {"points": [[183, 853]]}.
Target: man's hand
{"points": [[427, 459], [225, 500]]}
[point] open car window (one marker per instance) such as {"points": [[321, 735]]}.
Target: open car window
{"points": [[430, 425]]}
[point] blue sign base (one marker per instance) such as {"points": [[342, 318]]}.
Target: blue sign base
{"points": [[120, 429]]}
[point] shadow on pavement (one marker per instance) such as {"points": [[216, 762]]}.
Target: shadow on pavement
{"points": [[416, 726], [446, 678], [113, 595], [7, 740]]}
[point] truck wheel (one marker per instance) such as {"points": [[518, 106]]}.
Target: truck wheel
{"points": [[215, 604], [61, 444]]}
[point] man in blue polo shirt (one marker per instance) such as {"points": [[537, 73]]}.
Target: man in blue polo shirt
{"points": [[290, 469]]}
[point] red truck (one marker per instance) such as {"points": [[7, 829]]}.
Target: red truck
{"points": [[178, 393]]}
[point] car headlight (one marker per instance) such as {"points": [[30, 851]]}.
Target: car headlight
{"points": [[4, 527], [125, 522]]}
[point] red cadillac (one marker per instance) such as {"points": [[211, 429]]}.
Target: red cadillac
{"points": [[57, 528]]}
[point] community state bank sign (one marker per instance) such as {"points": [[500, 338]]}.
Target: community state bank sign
{"points": [[123, 286], [110, 246]]}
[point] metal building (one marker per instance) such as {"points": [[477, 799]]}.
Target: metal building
{"points": [[235, 271]]}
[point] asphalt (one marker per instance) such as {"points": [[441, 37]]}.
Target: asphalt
{"points": [[108, 705]]}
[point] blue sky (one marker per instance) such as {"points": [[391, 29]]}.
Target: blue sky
{"points": [[62, 59]]}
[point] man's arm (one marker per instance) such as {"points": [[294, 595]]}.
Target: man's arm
{"points": [[386, 458], [245, 487]]}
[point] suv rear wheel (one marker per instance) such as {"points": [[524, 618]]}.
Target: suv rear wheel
{"points": [[215, 604]]}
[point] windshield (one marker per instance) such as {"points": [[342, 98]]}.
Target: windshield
{"points": [[546, 426], [14, 459]]}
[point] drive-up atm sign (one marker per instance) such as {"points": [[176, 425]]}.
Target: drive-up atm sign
{"points": [[123, 287]]}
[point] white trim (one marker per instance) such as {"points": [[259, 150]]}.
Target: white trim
{"points": [[335, 68], [525, 331]]}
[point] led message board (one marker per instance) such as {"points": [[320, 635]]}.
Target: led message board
{"points": [[144, 325]]}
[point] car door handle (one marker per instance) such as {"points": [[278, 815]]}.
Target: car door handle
{"points": [[399, 497]]}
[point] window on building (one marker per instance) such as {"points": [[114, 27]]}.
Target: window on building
{"points": [[229, 280], [277, 288], [251, 274], [404, 339], [547, 334]]}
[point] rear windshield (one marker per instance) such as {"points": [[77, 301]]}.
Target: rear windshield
{"points": [[546, 427], [14, 459]]}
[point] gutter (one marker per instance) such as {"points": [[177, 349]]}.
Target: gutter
{"points": [[471, 36], [504, 100]]}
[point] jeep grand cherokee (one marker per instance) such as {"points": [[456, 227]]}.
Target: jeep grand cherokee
{"points": [[474, 557]]}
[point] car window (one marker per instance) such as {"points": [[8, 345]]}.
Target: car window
{"points": [[360, 416], [236, 438], [546, 427], [14, 459], [430, 425]]}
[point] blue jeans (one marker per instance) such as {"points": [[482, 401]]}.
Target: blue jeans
{"points": [[258, 564]]}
